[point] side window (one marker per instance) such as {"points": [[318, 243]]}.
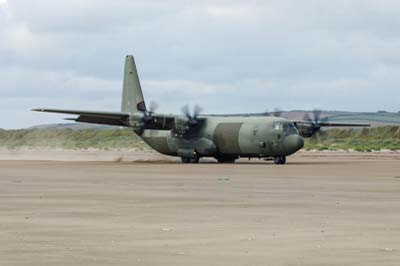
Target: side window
{"points": [[277, 125]]}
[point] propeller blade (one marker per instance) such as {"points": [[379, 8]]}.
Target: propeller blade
{"points": [[196, 111], [312, 123], [323, 134], [186, 112], [307, 117], [153, 106], [317, 116]]}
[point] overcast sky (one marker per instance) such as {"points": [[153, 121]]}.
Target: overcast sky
{"points": [[227, 56]]}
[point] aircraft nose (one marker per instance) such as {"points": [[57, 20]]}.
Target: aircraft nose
{"points": [[293, 143]]}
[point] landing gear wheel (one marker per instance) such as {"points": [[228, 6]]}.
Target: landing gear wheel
{"points": [[226, 159], [190, 160], [280, 160], [185, 160], [194, 160]]}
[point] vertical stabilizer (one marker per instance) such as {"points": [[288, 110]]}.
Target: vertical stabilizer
{"points": [[132, 96]]}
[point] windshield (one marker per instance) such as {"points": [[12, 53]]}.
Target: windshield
{"points": [[291, 129], [287, 127]]}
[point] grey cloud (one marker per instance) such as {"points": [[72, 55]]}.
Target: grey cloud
{"points": [[287, 54]]}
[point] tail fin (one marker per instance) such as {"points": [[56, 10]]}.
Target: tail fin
{"points": [[132, 96]]}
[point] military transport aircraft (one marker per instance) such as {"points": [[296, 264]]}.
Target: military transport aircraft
{"points": [[192, 136]]}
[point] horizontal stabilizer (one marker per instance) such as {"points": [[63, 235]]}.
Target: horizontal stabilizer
{"points": [[95, 117], [87, 113]]}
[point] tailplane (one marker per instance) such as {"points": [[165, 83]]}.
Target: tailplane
{"points": [[132, 96]]}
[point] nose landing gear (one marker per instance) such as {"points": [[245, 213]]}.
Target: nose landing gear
{"points": [[280, 160]]}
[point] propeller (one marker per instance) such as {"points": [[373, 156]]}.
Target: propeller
{"points": [[192, 117], [189, 119], [312, 127], [148, 115], [315, 119], [153, 107]]}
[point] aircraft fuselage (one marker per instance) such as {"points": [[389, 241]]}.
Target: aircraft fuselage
{"points": [[231, 137]]}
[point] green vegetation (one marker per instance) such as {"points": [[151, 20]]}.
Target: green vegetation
{"points": [[367, 139], [70, 139]]}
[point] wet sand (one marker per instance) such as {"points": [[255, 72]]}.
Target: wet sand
{"points": [[319, 209]]}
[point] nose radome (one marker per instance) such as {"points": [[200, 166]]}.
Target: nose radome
{"points": [[293, 143]]}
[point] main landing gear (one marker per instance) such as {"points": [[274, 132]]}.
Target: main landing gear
{"points": [[226, 159], [277, 160], [280, 160], [190, 160]]}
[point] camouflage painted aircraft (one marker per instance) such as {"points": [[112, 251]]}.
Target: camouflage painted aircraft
{"points": [[193, 136]]}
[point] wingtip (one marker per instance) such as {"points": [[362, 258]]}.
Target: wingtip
{"points": [[37, 110]]}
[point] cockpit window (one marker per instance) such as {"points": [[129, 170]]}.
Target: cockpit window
{"points": [[292, 129], [287, 127]]}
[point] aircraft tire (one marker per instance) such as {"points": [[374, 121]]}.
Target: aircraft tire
{"points": [[280, 160], [226, 159], [190, 160], [194, 160], [185, 160]]}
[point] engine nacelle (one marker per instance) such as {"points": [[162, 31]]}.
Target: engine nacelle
{"points": [[181, 125], [136, 121], [205, 147], [200, 146], [307, 130]]}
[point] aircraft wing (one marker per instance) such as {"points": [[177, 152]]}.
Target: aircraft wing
{"points": [[94, 117], [330, 124], [308, 128]]}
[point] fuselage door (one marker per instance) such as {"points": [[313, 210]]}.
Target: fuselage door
{"points": [[277, 136]]}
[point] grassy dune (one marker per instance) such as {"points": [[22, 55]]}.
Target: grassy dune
{"points": [[367, 139], [70, 139]]}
